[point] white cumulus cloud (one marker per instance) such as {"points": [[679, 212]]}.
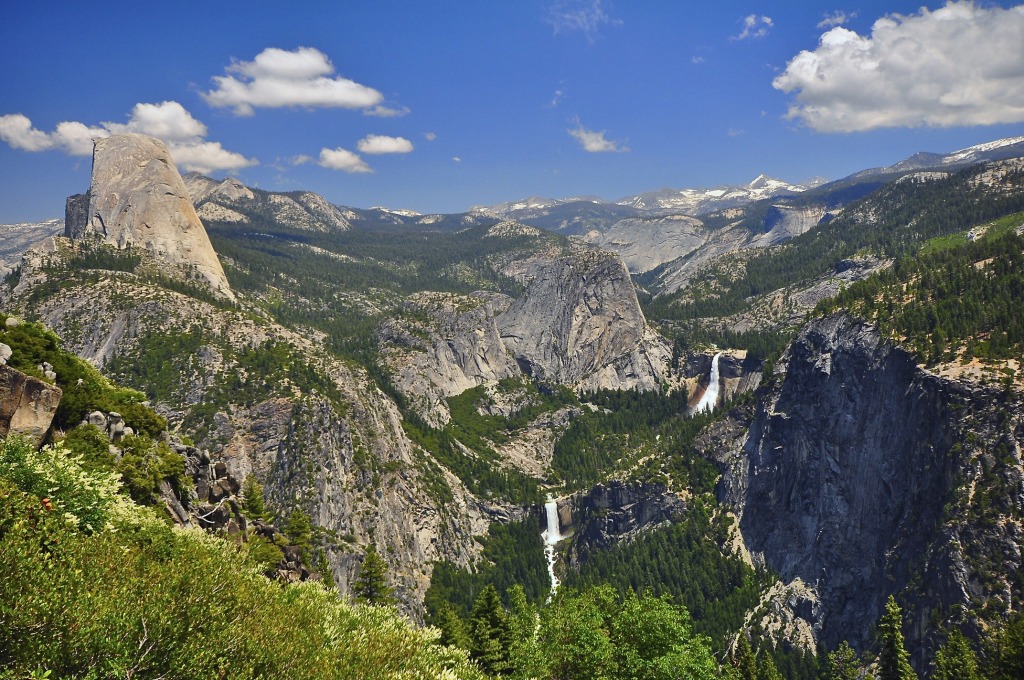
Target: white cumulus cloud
{"points": [[377, 144], [343, 159], [69, 136], [278, 78], [168, 121], [595, 141], [754, 26], [962, 64]]}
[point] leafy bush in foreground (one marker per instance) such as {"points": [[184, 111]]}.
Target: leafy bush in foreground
{"points": [[142, 599]]}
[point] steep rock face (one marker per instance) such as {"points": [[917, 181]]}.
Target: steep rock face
{"points": [[615, 511], [846, 478], [646, 243], [343, 458], [783, 222], [27, 404], [579, 323], [445, 344], [138, 198]]}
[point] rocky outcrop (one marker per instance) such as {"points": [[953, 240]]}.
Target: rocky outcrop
{"points": [[442, 345], [137, 198], [856, 477], [27, 404], [616, 511], [579, 323]]}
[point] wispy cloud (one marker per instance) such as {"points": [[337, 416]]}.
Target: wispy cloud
{"points": [[381, 111], [594, 141], [278, 78], [344, 160], [754, 26], [837, 18], [697, 59], [430, 136], [378, 144], [957, 65], [583, 16], [168, 121]]}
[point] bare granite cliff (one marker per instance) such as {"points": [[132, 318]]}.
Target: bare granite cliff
{"points": [[444, 344], [861, 476], [579, 323], [137, 198]]}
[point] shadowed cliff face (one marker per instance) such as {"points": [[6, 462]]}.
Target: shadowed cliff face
{"points": [[850, 461]]}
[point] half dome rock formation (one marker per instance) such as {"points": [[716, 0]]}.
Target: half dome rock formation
{"points": [[137, 198]]}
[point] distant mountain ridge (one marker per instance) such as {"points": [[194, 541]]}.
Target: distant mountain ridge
{"points": [[996, 150], [693, 202]]}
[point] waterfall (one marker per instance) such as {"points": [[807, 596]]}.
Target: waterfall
{"points": [[710, 398], [551, 536]]}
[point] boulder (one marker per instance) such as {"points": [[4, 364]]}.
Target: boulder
{"points": [[27, 404]]}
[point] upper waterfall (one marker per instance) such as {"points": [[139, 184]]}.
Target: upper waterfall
{"points": [[710, 397]]}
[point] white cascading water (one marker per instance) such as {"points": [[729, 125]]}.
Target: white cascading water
{"points": [[710, 398], [551, 536]]}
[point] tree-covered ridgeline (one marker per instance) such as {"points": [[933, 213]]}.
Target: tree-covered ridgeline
{"points": [[954, 303], [345, 282]]}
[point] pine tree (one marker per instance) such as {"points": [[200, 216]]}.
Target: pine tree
{"points": [[841, 664], [299, 531], [766, 669], [489, 632], [371, 585], [525, 654], [893, 660], [452, 627], [955, 660], [743, 659], [252, 499]]}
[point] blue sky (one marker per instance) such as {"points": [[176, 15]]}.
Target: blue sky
{"points": [[439, 106]]}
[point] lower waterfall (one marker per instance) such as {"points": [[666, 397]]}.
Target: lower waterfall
{"points": [[551, 536]]}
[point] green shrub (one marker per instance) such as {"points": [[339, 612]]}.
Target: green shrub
{"points": [[262, 552], [145, 463], [88, 499], [148, 600], [92, 445]]}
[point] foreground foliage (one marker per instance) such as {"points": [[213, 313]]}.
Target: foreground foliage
{"points": [[138, 598]]}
